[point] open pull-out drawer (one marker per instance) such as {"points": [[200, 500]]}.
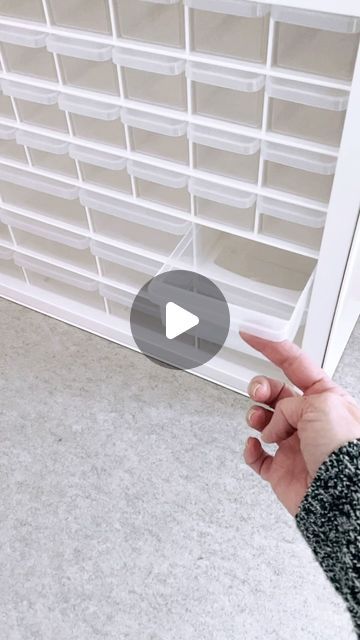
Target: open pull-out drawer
{"points": [[266, 288]]}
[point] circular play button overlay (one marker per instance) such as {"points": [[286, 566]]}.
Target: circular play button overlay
{"points": [[180, 318]]}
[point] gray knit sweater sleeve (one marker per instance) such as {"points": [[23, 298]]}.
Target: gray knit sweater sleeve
{"points": [[329, 519]]}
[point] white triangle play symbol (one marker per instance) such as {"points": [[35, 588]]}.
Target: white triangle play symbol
{"points": [[178, 320]]}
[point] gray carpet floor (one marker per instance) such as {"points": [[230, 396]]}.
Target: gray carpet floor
{"points": [[126, 511]]}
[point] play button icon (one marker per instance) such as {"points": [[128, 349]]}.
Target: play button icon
{"points": [[180, 318]]}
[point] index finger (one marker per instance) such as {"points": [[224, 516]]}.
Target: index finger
{"points": [[296, 365]]}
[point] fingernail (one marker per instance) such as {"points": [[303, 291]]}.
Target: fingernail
{"points": [[254, 391], [250, 415]]}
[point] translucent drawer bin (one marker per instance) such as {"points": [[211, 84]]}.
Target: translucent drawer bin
{"points": [[222, 204], [31, 10], [85, 64], [313, 42], [48, 153], [8, 147], [148, 77], [81, 15], [289, 222], [134, 226], [236, 29], [60, 286], [102, 169], [161, 186], [225, 154], [157, 21], [8, 269], [25, 53], [124, 267], [302, 173], [6, 108], [50, 242], [36, 106], [157, 136], [307, 111], [227, 94], [94, 121], [267, 288], [44, 196]]}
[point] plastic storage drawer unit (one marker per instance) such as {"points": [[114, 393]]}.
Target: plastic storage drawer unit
{"points": [[307, 111], [285, 221], [157, 21], [233, 28], [50, 242], [103, 169], [94, 121], [24, 53], [153, 78], [319, 43], [157, 136], [48, 153], [160, 186], [125, 267], [223, 204], [61, 286], [36, 106], [6, 108], [8, 146], [47, 197], [134, 226], [225, 154], [5, 236], [85, 64], [227, 94], [303, 173], [81, 14]]}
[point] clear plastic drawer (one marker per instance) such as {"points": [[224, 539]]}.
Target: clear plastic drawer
{"points": [[48, 153], [45, 196], [289, 222], [25, 53], [320, 43], [148, 77], [102, 169], [307, 111], [94, 121], [8, 268], [61, 286], [302, 173], [157, 136], [125, 267], [119, 303], [225, 154], [36, 106], [31, 10], [81, 14], [223, 204], [157, 21], [227, 94], [134, 226], [8, 146], [4, 233], [50, 242], [232, 28], [161, 186], [85, 64], [267, 289]]}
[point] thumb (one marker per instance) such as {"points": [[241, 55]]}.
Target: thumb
{"points": [[285, 419]]}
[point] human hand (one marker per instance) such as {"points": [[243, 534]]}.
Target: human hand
{"points": [[307, 428]]}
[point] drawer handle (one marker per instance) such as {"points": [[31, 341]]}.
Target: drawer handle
{"points": [[45, 231], [42, 143], [22, 37], [97, 158], [38, 183], [89, 108], [241, 8], [28, 92], [83, 49], [159, 176], [163, 65], [50, 271]]}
